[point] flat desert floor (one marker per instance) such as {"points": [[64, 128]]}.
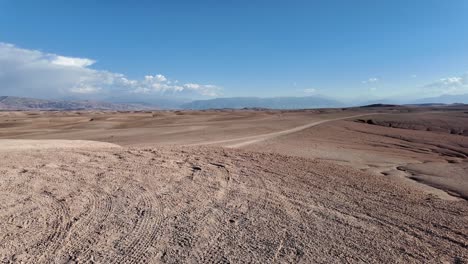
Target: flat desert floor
{"points": [[373, 185]]}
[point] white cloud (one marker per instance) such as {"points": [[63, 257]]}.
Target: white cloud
{"points": [[450, 85], [156, 78], [371, 80], [85, 90], [207, 89], [192, 85], [161, 78], [310, 91], [74, 62], [33, 73], [452, 81]]}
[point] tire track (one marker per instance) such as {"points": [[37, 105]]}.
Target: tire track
{"points": [[244, 141], [85, 230], [59, 226], [134, 246], [238, 207]]}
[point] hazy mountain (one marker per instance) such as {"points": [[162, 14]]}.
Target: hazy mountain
{"points": [[160, 102], [443, 99], [272, 103], [122, 104], [380, 101], [22, 103]]}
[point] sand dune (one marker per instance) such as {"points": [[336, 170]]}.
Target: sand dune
{"points": [[279, 187], [244, 141]]}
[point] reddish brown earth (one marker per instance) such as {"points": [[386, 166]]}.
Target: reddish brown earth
{"points": [[233, 187]]}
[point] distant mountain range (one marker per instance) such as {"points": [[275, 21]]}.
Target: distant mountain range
{"points": [[444, 99], [311, 102], [21, 103], [272, 103]]}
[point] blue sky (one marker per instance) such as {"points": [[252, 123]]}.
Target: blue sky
{"points": [[202, 49]]}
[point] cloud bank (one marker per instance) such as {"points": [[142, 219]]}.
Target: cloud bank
{"points": [[310, 91], [371, 80], [450, 85], [33, 73]]}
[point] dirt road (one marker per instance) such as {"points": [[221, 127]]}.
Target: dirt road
{"points": [[244, 141]]}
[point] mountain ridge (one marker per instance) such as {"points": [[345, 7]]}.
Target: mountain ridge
{"points": [[268, 102], [286, 102], [25, 103]]}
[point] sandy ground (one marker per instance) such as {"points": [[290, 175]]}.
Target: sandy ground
{"points": [[249, 140], [156, 128], [212, 205], [437, 160], [8, 145], [234, 186]]}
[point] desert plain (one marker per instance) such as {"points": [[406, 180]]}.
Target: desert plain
{"points": [[383, 184]]}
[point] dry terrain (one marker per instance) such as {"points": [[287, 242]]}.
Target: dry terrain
{"points": [[373, 185]]}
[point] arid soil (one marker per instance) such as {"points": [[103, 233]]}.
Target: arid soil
{"points": [[455, 123], [431, 157], [215, 205], [156, 128], [232, 187], [28, 145]]}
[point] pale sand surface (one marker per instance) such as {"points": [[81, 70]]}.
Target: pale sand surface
{"points": [[7, 145], [269, 187], [213, 205], [439, 160], [244, 141]]}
